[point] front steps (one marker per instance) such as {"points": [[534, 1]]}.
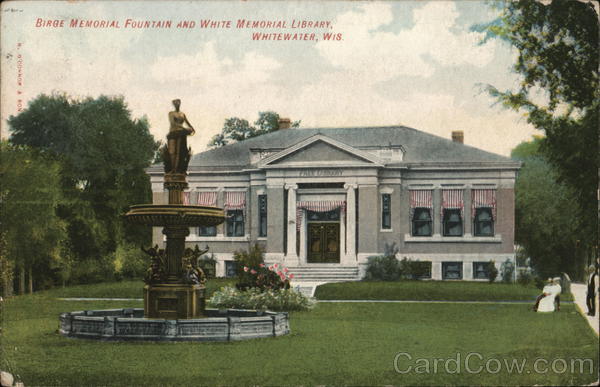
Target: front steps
{"points": [[324, 273]]}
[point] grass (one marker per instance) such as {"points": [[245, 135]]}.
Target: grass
{"points": [[349, 344], [123, 289], [429, 290]]}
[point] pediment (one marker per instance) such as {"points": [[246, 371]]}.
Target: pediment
{"points": [[319, 150]]}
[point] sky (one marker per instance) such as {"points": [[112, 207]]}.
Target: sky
{"points": [[413, 63]]}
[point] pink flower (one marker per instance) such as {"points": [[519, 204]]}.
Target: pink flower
{"points": [[262, 265], [291, 276], [275, 266], [253, 271], [286, 270], [279, 273], [271, 268], [246, 268]]}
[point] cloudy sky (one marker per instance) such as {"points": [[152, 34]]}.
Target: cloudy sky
{"points": [[405, 62]]}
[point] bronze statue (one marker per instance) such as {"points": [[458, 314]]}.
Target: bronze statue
{"points": [[155, 273], [192, 273], [178, 151]]}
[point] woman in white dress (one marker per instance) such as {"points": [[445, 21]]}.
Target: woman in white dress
{"points": [[550, 296]]}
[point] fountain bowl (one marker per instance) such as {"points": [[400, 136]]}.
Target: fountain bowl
{"points": [[129, 324], [175, 215]]}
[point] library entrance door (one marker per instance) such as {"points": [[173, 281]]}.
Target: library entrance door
{"points": [[323, 242]]}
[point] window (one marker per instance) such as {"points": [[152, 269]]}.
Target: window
{"points": [[422, 222], [452, 222], [314, 216], [484, 222], [452, 270], [235, 223], [262, 215], [230, 269], [422, 269], [207, 230], [480, 270], [386, 214]]}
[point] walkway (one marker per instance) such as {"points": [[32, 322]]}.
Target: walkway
{"points": [[579, 293]]}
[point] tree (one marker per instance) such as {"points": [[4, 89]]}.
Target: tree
{"points": [[237, 129], [103, 153], [545, 225], [557, 47], [31, 230]]}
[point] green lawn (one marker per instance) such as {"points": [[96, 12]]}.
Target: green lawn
{"points": [[123, 289], [334, 344], [429, 290]]}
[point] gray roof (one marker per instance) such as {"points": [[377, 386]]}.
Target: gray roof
{"points": [[420, 147]]}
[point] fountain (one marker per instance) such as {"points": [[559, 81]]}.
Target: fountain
{"points": [[174, 294]]}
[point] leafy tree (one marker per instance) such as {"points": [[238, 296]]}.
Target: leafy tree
{"points": [[545, 225], [31, 230], [103, 153], [237, 129], [557, 45]]}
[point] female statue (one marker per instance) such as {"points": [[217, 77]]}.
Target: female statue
{"points": [[177, 139]]}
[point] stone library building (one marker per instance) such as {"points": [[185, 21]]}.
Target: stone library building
{"points": [[322, 201]]}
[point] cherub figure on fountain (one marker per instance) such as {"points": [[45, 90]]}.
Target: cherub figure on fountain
{"points": [[155, 273]]}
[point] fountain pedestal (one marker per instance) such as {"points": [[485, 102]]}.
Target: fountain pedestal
{"points": [[174, 301]]}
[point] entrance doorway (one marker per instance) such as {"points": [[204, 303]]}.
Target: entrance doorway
{"points": [[323, 237]]}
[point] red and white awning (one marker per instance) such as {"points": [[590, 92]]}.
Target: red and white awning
{"points": [[421, 198], [207, 199], [452, 198], [483, 198], [186, 198], [317, 206], [235, 200]]}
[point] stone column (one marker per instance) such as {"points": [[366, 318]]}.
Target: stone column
{"points": [[467, 220], [291, 255], [175, 247], [303, 242], [350, 223], [436, 213]]}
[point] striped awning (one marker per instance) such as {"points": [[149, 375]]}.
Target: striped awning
{"points": [[421, 198], [452, 198], [207, 199], [483, 198], [235, 200], [317, 206], [186, 198]]}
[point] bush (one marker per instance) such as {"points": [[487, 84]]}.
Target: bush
{"points": [[414, 270], [253, 273], [130, 262], [491, 271], [539, 282], [383, 268], [524, 278], [508, 269], [254, 298], [208, 264]]}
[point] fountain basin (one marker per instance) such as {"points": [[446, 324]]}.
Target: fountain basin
{"points": [[175, 215], [129, 324]]}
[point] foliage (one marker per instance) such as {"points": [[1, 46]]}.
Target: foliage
{"points": [[557, 45], [130, 261], [253, 273], [525, 278], [103, 154], [545, 223], [29, 197], [507, 269], [491, 272], [208, 264], [237, 129], [100, 154], [382, 268], [389, 268], [6, 269], [258, 299]]}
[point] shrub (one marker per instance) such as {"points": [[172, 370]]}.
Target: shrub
{"points": [[525, 278], [253, 273], [130, 261], [383, 268], [208, 264], [254, 298], [539, 282], [414, 270], [508, 269], [491, 271]]}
